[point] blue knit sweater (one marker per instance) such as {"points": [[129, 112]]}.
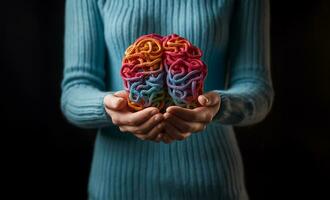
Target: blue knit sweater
{"points": [[234, 36]]}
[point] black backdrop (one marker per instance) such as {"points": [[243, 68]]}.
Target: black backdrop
{"points": [[285, 156]]}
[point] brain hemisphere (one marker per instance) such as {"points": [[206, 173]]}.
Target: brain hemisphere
{"points": [[163, 71]]}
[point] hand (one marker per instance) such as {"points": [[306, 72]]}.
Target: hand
{"points": [[144, 124], [181, 122]]}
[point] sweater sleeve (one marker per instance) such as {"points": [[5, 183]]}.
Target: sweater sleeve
{"points": [[84, 53], [249, 95]]}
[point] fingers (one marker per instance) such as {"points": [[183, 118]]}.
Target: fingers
{"points": [[145, 128], [185, 135], [132, 119], [200, 114], [147, 123], [155, 132], [139, 117], [209, 99], [210, 102], [159, 137], [173, 132], [167, 139], [154, 135], [121, 93], [113, 102], [182, 125], [116, 101]]}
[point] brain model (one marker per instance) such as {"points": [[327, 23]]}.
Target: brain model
{"points": [[163, 71]]}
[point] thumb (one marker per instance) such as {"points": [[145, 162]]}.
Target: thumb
{"points": [[209, 99], [114, 102], [121, 93]]}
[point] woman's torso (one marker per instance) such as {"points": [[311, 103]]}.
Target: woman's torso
{"points": [[207, 164]]}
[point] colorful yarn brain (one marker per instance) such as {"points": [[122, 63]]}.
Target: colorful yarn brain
{"points": [[163, 71]]}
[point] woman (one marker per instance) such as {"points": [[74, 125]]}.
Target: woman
{"points": [[199, 158]]}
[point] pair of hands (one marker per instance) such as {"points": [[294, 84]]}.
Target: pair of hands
{"points": [[148, 124]]}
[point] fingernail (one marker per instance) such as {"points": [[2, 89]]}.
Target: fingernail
{"points": [[205, 100]]}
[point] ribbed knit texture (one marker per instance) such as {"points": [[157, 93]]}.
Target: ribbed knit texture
{"points": [[234, 36]]}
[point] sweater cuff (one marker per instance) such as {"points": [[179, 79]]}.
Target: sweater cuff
{"points": [[228, 114], [83, 106]]}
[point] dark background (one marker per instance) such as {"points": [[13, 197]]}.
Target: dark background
{"points": [[286, 157]]}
